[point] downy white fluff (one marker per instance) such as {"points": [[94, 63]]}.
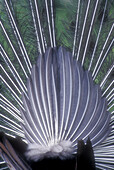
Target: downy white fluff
{"points": [[62, 149]]}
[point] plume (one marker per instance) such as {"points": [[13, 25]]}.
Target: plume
{"points": [[56, 88]]}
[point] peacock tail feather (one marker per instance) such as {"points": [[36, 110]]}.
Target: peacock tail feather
{"points": [[56, 72]]}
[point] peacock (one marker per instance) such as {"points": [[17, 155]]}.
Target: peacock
{"points": [[56, 84]]}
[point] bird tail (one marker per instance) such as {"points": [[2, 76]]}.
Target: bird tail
{"points": [[28, 28]]}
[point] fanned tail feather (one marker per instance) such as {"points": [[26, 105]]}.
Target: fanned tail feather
{"points": [[54, 103]]}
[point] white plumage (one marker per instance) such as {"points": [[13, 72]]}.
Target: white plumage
{"points": [[65, 96], [63, 105]]}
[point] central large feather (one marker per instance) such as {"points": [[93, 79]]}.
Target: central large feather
{"points": [[63, 106]]}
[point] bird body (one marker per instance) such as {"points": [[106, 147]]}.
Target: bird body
{"points": [[56, 83]]}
